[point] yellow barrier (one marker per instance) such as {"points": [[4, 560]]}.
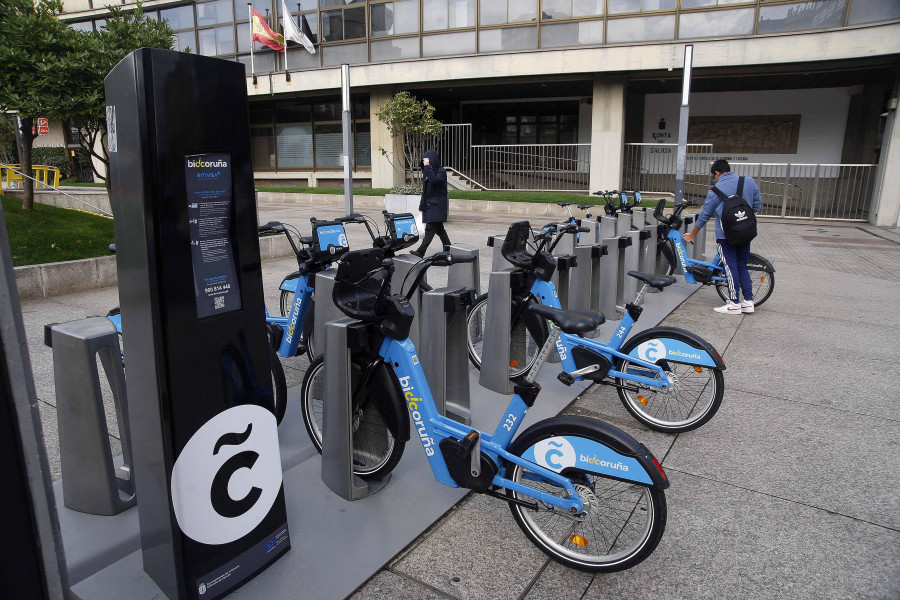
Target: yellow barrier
{"points": [[41, 172]]}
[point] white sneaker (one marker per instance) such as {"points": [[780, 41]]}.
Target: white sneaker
{"points": [[731, 308], [747, 306]]}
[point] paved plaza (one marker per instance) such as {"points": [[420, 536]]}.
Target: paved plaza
{"points": [[790, 491]]}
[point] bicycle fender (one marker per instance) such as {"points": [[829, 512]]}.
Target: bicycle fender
{"points": [[659, 343], [758, 263], [389, 402], [579, 444], [289, 283]]}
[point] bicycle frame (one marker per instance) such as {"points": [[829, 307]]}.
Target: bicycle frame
{"points": [[292, 324], [686, 261], [432, 428]]}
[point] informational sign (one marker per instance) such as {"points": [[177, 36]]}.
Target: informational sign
{"points": [[332, 238], [209, 197], [43, 126]]}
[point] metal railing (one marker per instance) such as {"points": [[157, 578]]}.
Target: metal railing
{"points": [[531, 167], [453, 146], [651, 168], [811, 191]]}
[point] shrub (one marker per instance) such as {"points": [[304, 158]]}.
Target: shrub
{"points": [[52, 157]]}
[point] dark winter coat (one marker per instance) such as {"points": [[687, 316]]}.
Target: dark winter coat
{"points": [[434, 203]]}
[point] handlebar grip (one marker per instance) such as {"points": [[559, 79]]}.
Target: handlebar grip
{"points": [[270, 226], [584, 229], [460, 258]]}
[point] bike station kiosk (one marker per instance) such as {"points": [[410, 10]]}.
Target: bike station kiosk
{"points": [[207, 464]]}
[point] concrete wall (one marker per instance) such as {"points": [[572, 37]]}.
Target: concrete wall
{"points": [[823, 118]]}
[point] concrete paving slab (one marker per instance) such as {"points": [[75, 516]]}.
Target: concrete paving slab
{"points": [[786, 356], [724, 541], [821, 457], [451, 558], [391, 585]]}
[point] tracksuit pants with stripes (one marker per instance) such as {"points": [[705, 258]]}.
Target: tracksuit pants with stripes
{"points": [[735, 259]]}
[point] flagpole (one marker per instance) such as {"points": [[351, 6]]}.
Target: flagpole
{"points": [[285, 15], [250, 16]]}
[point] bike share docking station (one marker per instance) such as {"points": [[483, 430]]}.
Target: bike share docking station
{"points": [[207, 464]]}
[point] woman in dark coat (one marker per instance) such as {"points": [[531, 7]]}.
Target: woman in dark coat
{"points": [[435, 202]]}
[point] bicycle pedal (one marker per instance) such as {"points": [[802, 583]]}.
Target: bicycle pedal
{"points": [[565, 378]]}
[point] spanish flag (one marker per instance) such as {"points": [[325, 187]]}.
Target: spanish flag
{"points": [[261, 33]]}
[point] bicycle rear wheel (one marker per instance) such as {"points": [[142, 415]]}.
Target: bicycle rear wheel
{"points": [[621, 524], [762, 282], [279, 385], [523, 347], [375, 451]]}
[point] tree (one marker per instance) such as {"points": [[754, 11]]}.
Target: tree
{"points": [[91, 62], [414, 122], [33, 43]]}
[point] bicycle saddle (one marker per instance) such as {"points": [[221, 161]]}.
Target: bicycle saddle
{"points": [[657, 281], [564, 204], [570, 321], [584, 206]]}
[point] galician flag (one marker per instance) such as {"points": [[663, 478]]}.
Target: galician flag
{"points": [[291, 32], [261, 33]]}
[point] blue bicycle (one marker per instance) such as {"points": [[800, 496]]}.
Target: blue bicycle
{"points": [[672, 255], [585, 493], [669, 379]]}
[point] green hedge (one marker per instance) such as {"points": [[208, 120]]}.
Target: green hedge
{"points": [[52, 157]]}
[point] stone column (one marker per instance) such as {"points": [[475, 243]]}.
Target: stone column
{"points": [[886, 194], [607, 133], [384, 173]]}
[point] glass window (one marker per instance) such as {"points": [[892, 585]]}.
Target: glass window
{"points": [[333, 26], [214, 13], [260, 116], [329, 143], [299, 58], [348, 53], [638, 29], [330, 3], [803, 15], [510, 38], [716, 23], [184, 41], [181, 17], [696, 3], [243, 39], [363, 146], [345, 24], [570, 34], [868, 11], [354, 23], [461, 13], [587, 8], [243, 13], [293, 112], [218, 41], [295, 145], [395, 18], [264, 62], [435, 15], [449, 43], [624, 6], [556, 9], [393, 49], [497, 12], [207, 38], [262, 147]]}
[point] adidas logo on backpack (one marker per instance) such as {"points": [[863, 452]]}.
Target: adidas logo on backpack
{"points": [[738, 223]]}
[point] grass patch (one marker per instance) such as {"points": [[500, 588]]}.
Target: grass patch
{"points": [[51, 234], [538, 197], [72, 182]]}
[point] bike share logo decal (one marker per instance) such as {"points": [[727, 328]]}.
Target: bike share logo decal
{"points": [[681, 255], [561, 349], [202, 589], [413, 403], [292, 326], [228, 475], [555, 453], [651, 351]]}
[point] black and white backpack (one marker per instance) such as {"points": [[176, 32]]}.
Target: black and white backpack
{"points": [[738, 218]]}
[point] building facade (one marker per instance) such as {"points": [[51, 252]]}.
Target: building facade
{"points": [[577, 94]]}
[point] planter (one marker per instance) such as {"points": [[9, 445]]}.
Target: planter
{"points": [[402, 203]]}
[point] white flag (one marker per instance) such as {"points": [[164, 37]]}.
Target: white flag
{"points": [[292, 32]]}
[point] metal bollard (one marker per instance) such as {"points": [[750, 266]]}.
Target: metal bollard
{"points": [[698, 252], [443, 352], [609, 279], [465, 274], [341, 338], [580, 279], [589, 238], [565, 266], [599, 259], [648, 252], [638, 218], [498, 263], [495, 351], [91, 483], [607, 227], [325, 309], [403, 264]]}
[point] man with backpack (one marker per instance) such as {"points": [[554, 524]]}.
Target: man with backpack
{"points": [[735, 202]]}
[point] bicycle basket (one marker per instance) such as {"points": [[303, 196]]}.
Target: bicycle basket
{"points": [[329, 241], [515, 245], [402, 229], [357, 283]]}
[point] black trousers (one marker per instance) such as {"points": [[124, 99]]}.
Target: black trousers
{"points": [[430, 230]]}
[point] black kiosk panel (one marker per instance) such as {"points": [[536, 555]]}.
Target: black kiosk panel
{"points": [[206, 459]]}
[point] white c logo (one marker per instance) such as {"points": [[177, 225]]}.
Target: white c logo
{"points": [[555, 453], [651, 351], [228, 475]]}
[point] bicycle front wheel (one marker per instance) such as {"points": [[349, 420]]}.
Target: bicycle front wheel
{"points": [[375, 451], [693, 399], [762, 282], [621, 524], [523, 349]]}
